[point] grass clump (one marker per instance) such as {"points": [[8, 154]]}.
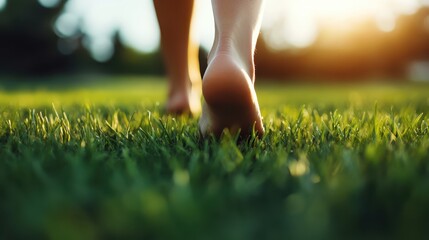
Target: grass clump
{"points": [[336, 162]]}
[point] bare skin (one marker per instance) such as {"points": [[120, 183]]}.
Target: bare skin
{"points": [[228, 84], [180, 55]]}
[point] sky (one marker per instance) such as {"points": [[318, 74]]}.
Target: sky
{"points": [[286, 23], [135, 20]]}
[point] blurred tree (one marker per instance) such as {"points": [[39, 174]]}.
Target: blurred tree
{"points": [[27, 42], [126, 60], [29, 45], [363, 52]]}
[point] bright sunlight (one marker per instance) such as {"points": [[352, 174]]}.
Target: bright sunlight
{"points": [[286, 24], [292, 23]]}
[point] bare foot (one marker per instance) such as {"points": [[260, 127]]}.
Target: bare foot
{"points": [[230, 98], [185, 100]]}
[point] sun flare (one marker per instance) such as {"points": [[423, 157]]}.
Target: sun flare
{"points": [[297, 23]]}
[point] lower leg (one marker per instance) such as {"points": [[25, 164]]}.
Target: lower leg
{"points": [[228, 84], [180, 55]]}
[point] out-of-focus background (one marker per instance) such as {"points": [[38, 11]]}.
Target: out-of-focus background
{"points": [[317, 40], [87, 151]]}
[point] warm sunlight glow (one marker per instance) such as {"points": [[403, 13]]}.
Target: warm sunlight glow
{"points": [[292, 23], [286, 24]]}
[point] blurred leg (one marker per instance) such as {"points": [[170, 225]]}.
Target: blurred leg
{"points": [[228, 84], [180, 55]]}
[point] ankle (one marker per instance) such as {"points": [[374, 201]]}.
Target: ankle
{"points": [[243, 57], [185, 82]]}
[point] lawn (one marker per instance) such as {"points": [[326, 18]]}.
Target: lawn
{"points": [[96, 158]]}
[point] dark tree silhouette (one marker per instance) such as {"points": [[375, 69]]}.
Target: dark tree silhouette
{"points": [[27, 42]]}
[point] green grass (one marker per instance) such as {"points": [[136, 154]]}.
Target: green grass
{"points": [[97, 160]]}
